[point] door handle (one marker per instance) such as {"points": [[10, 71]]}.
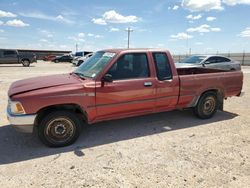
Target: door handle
{"points": [[148, 84]]}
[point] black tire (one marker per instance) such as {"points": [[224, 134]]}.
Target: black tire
{"points": [[56, 61], [26, 62], [207, 105], [59, 128], [79, 63]]}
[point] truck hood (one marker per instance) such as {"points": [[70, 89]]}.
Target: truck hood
{"points": [[41, 82]]}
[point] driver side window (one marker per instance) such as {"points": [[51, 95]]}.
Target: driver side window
{"points": [[130, 66]]}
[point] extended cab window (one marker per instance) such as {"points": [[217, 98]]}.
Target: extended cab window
{"points": [[162, 66], [130, 66]]}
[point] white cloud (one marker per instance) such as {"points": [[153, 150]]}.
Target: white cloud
{"points": [[95, 36], [215, 29], [1, 23], [191, 17], [113, 17], [198, 43], [6, 14], [39, 15], [113, 29], [81, 35], [3, 38], [43, 40], [181, 36], [90, 34], [245, 33], [210, 18], [203, 29], [1, 31], [98, 36], [235, 2], [175, 7], [160, 45], [76, 39], [99, 21], [16, 23], [160, 6], [63, 46], [202, 5], [46, 33]]}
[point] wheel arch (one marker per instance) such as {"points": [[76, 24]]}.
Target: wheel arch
{"points": [[25, 59], [219, 94], [70, 107]]}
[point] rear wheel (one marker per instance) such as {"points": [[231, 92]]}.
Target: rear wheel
{"points": [[59, 128], [26, 62], [207, 105]]}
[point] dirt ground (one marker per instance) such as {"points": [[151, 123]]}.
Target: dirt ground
{"points": [[171, 149]]}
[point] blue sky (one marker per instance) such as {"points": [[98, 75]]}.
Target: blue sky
{"points": [[204, 26]]}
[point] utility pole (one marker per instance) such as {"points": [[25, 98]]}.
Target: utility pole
{"points": [[129, 30], [76, 47]]}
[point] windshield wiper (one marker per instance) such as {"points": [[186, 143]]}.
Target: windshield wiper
{"points": [[81, 75]]}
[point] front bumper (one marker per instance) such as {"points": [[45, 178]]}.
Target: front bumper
{"points": [[23, 123]]}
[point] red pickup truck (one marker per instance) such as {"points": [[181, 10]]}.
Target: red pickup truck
{"points": [[112, 84]]}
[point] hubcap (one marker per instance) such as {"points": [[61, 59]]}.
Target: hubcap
{"points": [[25, 63], [209, 105], [60, 130]]}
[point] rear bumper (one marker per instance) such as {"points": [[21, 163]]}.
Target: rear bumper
{"points": [[22, 123]]}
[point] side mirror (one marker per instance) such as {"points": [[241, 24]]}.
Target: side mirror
{"points": [[107, 78]]}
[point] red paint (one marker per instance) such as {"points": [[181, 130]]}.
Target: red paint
{"points": [[123, 98]]}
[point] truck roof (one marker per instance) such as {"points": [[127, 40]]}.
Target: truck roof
{"points": [[118, 50]]}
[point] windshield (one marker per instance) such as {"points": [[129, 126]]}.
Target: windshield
{"points": [[93, 65], [193, 59]]}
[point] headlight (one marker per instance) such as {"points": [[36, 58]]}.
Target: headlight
{"points": [[16, 107]]}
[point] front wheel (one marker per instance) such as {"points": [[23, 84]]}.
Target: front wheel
{"points": [[26, 63], [207, 105], [60, 128]]}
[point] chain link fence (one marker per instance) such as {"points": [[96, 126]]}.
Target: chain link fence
{"points": [[243, 58]]}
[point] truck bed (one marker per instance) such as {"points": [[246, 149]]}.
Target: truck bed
{"points": [[195, 81]]}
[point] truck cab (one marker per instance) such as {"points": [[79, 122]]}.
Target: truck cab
{"points": [[8, 56]]}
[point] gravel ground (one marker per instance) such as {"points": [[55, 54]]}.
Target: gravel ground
{"points": [[171, 149]]}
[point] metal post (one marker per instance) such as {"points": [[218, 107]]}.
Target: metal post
{"points": [[129, 31], [76, 47], [243, 57]]}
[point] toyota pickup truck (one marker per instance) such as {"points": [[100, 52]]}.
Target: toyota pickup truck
{"points": [[113, 84]]}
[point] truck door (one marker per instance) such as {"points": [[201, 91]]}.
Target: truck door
{"points": [[10, 57], [132, 90], [167, 84]]}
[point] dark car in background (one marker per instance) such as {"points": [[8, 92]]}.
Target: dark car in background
{"points": [[63, 58], [8, 56]]}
